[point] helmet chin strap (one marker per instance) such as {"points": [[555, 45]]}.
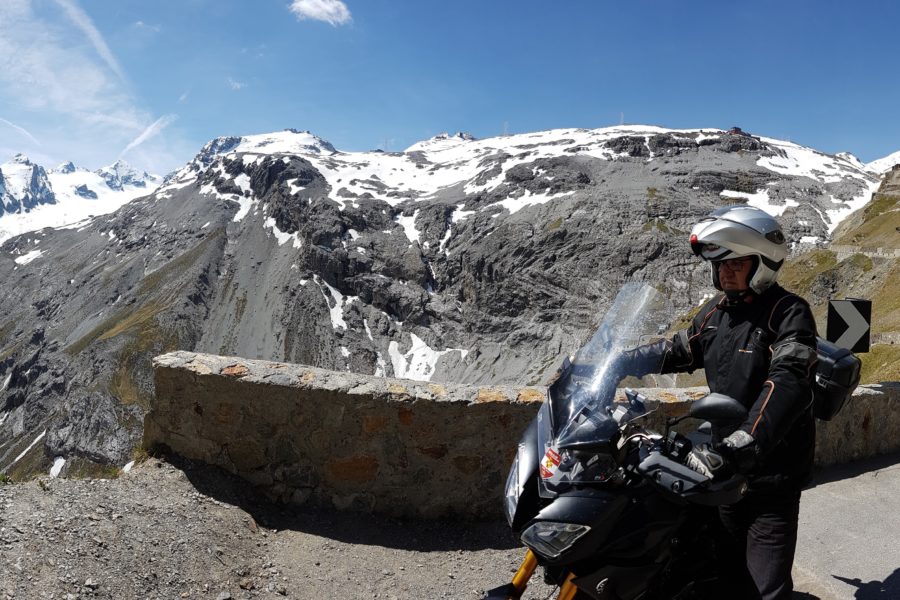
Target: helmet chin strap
{"points": [[736, 296]]}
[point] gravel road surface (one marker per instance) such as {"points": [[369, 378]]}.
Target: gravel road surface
{"points": [[163, 531]]}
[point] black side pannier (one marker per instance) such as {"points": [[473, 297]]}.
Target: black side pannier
{"points": [[836, 378]]}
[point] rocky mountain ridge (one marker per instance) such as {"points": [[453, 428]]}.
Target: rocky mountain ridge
{"points": [[458, 259], [24, 187]]}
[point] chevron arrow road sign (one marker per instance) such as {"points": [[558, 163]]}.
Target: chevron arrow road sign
{"points": [[849, 324]]}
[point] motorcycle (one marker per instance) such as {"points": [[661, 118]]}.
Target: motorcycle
{"points": [[607, 506]]}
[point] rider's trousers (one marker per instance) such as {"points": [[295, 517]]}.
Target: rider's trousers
{"points": [[758, 550]]}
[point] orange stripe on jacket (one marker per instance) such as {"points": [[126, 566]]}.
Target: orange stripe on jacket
{"points": [[763, 409]]}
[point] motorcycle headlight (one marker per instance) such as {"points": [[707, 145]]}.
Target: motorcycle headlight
{"points": [[550, 539], [512, 491]]}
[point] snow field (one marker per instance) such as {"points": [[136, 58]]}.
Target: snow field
{"points": [[419, 361]]}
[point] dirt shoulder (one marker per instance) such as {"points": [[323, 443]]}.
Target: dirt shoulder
{"points": [[165, 531]]}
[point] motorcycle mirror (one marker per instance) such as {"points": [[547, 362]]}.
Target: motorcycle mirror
{"points": [[718, 407]]}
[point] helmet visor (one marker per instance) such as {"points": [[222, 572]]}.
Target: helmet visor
{"points": [[708, 251]]}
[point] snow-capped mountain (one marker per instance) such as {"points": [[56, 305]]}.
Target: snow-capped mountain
{"points": [[883, 165], [32, 198], [289, 141], [472, 260], [120, 175], [439, 166], [23, 186]]}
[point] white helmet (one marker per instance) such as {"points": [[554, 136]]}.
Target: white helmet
{"points": [[738, 231]]}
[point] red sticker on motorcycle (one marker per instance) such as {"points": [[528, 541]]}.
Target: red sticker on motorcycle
{"points": [[549, 464]]}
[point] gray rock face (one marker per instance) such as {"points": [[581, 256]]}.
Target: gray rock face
{"points": [[460, 260], [85, 192], [24, 186], [121, 174]]}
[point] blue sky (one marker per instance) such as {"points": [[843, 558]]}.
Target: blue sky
{"points": [[95, 80]]}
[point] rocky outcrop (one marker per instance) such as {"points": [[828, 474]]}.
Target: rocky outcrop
{"points": [[85, 192], [120, 174], [24, 186]]}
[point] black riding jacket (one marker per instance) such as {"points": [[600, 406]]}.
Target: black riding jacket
{"points": [[763, 353]]}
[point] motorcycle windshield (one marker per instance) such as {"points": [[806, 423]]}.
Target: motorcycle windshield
{"points": [[582, 408]]}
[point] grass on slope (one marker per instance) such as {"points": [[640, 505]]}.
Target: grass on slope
{"points": [[798, 274], [880, 227], [152, 287], [139, 326], [886, 302], [882, 363]]}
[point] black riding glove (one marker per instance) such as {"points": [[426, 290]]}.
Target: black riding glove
{"points": [[740, 450], [705, 461]]}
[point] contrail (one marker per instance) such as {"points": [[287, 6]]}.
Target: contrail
{"points": [[83, 22], [157, 126], [21, 130]]}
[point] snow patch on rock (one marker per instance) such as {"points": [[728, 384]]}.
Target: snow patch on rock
{"points": [[28, 257], [419, 361], [30, 446], [761, 200], [58, 464], [409, 226]]}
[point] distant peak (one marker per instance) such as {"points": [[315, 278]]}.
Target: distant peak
{"points": [[21, 159], [289, 141], [66, 167], [119, 165], [459, 135], [120, 174], [851, 158], [442, 140]]}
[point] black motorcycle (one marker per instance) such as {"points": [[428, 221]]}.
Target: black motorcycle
{"points": [[604, 504]]}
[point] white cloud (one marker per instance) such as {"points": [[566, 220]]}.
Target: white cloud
{"points": [[68, 94], [42, 71], [154, 129], [333, 12], [142, 25], [84, 23], [21, 130], [234, 84], [184, 96]]}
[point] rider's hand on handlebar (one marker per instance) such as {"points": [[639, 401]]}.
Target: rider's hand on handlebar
{"points": [[705, 461], [740, 450]]}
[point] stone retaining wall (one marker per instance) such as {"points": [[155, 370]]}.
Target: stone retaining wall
{"points": [[845, 252], [394, 446]]}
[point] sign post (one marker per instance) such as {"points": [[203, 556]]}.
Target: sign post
{"points": [[849, 324]]}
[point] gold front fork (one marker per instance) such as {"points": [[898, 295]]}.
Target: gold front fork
{"points": [[526, 570], [523, 575], [568, 590]]}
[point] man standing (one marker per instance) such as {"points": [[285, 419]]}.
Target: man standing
{"points": [[757, 343]]}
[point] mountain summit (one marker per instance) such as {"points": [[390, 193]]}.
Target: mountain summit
{"points": [[442, 140], [120, 175], [885, 164], [23, 186]]}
